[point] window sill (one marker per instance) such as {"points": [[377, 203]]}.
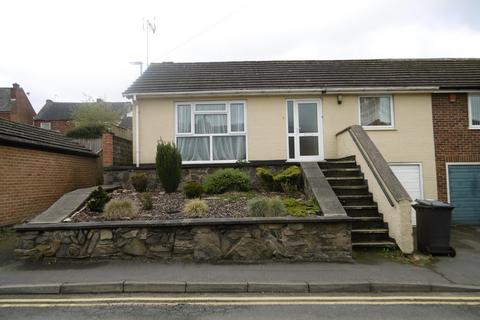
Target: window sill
{"points": [[379, 128], [474, 128]]}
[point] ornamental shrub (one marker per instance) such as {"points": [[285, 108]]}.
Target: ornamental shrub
{"points": [[226, 180], [193, 189], [266, 207], [90, 131], [196, 208], [98, 199], [117, 209], [289, 179], [147, 202], [266, 176], [169, 166], [301, 208], [139, 181]]}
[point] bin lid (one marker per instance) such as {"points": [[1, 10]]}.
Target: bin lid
{"points": [[432, 204]]}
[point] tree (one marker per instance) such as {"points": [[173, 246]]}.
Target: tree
{"points": [[95, 114]]}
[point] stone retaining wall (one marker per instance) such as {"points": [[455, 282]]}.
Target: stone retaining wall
{"points": [[189, 172], [245, 240]]}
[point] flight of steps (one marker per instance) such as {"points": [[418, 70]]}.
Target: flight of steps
{"points": [[348, 183]]}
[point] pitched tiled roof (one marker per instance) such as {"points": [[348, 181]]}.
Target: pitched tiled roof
{"points": [[23, 135], [126, 122], [258, 75], [53, 110], [5, 102]]}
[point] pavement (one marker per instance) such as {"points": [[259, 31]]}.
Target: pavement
{"points": [[371, 272]]}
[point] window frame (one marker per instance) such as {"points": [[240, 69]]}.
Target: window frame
{"points": [[229, 132], [46, 123], [392, 112], [470, 119]]}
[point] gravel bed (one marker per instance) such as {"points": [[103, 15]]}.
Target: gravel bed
{"points": [[170, 205]]}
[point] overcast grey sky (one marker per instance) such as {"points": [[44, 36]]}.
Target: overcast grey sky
{"points": [[69, 50]]}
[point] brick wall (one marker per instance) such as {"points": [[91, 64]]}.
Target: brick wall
{"points": [[5, 115], [122, 152], [57, 125], [454, 141], [31, 180], [116, 151]]}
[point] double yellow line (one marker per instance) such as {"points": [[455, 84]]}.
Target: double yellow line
{"points": [[233, 300]]}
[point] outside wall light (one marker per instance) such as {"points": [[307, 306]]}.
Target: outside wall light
{"points": [[339, 99]]}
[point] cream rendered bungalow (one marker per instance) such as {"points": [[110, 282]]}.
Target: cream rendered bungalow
{"points": [[379, 111]]}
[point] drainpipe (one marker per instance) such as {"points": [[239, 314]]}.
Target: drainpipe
{"points": [[137, 139]]}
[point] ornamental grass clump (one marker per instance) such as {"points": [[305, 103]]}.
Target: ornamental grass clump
{"points": [[266, 207], [98, 199], [139, 181], [118, 209], [196, 208], [193, 189], [226, 180], [147, 202], [169, 166]]}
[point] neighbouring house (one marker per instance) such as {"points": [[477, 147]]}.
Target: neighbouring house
{"points": [[58, 116], [15, 106], [456, 128], [37, 167]]}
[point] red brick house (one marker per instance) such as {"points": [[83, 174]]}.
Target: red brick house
{"points": [[58, 116], [456, 128], [15, 106]]}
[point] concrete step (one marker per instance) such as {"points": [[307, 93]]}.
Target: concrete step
{"points": [[374, 245], [342, 172], [362, 211], [355, 200], [369, 222], [346, 181], [370, 235], [350, 190], [337, 164]]}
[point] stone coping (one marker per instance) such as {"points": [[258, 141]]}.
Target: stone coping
{"points": [[340, 218]]}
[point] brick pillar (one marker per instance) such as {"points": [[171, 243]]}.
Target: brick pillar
{"points": [[107, 145]]}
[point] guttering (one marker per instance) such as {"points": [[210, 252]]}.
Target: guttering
{"points": [[253, 92], [404, 89], [137, 139]]}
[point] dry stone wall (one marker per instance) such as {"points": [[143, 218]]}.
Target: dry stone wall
{"points": [[292, 241]]}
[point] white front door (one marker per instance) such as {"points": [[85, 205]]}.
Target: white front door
{"points": [[304, 127], [410, 176]]}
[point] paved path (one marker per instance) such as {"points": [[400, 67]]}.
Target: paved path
{"points": [[67, 204]]}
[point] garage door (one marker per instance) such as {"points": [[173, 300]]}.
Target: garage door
{"points": [[410, 177], [464, 192]]}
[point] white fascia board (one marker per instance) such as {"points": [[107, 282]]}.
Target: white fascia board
{"points": [[253, 92]]}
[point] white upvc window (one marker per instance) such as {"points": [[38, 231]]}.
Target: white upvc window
{"points": [[46, 125], [209, 132], [474, 111], [376, 112]]}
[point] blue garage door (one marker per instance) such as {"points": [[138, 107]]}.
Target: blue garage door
{"points": [[464, 182]]}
